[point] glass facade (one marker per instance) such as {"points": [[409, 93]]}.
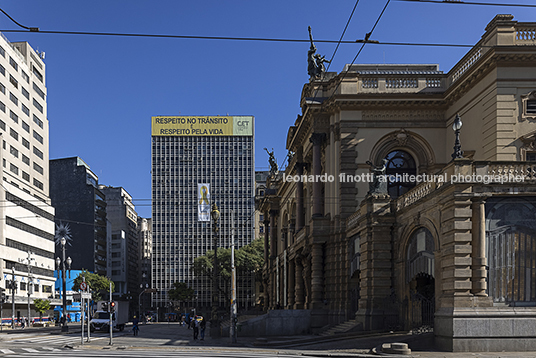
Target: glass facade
{"points": [[179, 163]]}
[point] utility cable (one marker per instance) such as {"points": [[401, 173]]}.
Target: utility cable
{"points": [[459, 2], [338, 44], [249, 39], [342, 35], [32, 29], [365, 41]]}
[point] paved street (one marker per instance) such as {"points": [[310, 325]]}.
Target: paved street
{"points": [[173, 340]]}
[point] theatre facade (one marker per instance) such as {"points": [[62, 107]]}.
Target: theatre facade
{"points": [[409, 201]]}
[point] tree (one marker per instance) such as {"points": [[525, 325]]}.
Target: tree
{"points": [[248, 259], [180, 292], [41, 306], [97, 283]]}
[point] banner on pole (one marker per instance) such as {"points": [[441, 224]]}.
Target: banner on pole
{"points": [[203, 202]]}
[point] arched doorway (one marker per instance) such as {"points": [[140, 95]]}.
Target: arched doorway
{"points": [[511, 250], [420, 280]]}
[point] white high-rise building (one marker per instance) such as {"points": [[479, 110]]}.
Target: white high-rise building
{"points": [[218, 154], [26, 216]]}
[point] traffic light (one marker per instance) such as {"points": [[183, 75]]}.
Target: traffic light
{"points": [[2, 295], [112, 306], [105, 306]]}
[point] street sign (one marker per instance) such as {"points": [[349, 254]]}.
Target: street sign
{"points": [[86, 295], [83, 286], [150, 290]]}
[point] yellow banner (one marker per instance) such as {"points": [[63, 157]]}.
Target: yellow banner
{"points": [[202, 126]]}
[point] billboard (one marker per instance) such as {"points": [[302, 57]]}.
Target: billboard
{"points": [[202, 126], [203, 202]]}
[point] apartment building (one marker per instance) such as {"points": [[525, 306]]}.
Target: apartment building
{"points": [[26, 215]]}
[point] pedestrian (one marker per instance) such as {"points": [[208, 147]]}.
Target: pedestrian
{"points": [[189, 321], [195, 327], [202, 326], [22, 322], [135, 326]]}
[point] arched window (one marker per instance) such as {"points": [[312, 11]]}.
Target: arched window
{"points": [[400, 165]]}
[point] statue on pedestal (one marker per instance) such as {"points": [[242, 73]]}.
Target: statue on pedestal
{"points": [[379, 178], [315, 62], [273, 164]]}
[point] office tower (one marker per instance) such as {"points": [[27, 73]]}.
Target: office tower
{"points": [[145, 237], [26, 216], [123, 251], [75, 194], [186, 152]]}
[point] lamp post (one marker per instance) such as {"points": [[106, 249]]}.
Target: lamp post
{"points": [[215, 322], [13, 288], [62, 262], [139, 300], [456, 126], [30, 285], [234, 313]]}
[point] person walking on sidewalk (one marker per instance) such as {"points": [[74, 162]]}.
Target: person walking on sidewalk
{"points": [[135, 326], [202, 326], [195, 327]]}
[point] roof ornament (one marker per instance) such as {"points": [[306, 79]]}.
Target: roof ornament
{"points": [[315, 62]]}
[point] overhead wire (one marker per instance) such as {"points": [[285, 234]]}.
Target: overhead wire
{"points": [[366, 40], [459, 2]]}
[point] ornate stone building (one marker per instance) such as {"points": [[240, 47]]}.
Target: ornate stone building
{"points": [[446, 244]]}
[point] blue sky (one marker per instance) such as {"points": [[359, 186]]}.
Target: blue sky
{"points": [[103, 90]]}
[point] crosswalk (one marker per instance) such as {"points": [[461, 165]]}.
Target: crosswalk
{"points": [[28, 350], [42, 343]]}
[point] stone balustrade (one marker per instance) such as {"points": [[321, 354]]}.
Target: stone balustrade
{"points": [[353, 219], [476, 174], [301, 235], [525, 169], [467, 62], [401, 84], [416, 194], [525, 35]]}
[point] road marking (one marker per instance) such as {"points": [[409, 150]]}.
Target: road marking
{"points": [[7, 351], [30, 350]]}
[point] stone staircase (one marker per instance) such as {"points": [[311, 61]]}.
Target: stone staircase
{"points": [[348, 326]]}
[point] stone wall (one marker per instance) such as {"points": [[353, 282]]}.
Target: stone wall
{"points": [[277, 323]]}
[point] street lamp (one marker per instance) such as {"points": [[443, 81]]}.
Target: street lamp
{"points": [[215, 322], [30, 285], [456, 126], [13, 288], [62, 262], [139, 300]]}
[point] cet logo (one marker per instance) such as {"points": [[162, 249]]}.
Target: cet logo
{"points": [[242, 123], [204, 195]]}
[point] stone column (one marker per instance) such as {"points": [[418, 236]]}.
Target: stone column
{"points": [[267, 230], [266, 294], [307, 283], [317, 139], [317, 276], [300, 207], [273, 234], [291, 284], [479, 261], [299, 298]]}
